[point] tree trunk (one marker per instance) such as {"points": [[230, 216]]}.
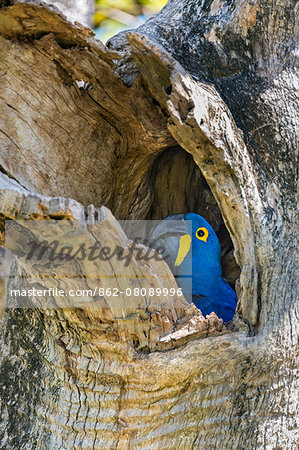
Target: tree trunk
{"points": [[201, 99]]}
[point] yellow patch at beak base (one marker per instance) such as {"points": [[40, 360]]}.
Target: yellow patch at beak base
{"points": [[185, 244]]}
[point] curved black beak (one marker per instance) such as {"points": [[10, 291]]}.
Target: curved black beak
{"points": [[173, 225], [172, 238]]}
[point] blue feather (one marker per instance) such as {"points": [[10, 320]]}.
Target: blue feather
{"points": [[210, 292], [200, 273]]}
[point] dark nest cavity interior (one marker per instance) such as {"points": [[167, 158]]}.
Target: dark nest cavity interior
{"points": [[178, 186]]}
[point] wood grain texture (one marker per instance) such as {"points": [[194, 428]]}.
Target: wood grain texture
{"points": [[202, 97]]}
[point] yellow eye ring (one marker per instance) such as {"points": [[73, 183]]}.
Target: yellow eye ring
{"points": [[202, 234]]}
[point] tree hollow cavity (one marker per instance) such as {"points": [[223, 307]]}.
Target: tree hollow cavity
{"points": [[178, 186]]}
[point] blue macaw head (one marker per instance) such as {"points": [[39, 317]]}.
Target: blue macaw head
{"points": [[187, 238], [206, 250], [193, 253]]}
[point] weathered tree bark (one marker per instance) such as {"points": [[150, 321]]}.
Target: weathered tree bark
{"points": [[204, 94]]}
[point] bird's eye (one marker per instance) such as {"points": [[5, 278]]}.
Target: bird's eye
{"points": [[202, 234]]}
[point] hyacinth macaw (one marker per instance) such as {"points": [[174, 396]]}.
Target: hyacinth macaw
{"points": [[193, 254]]}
